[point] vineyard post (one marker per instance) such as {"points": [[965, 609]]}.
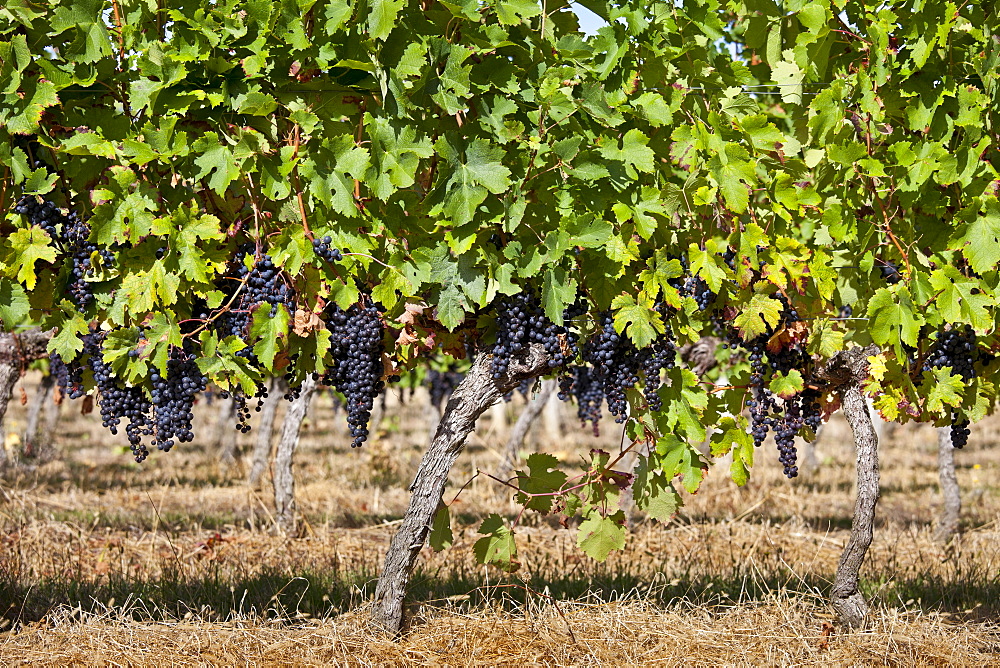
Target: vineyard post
{"points": [[845, 372], [473, 396]]}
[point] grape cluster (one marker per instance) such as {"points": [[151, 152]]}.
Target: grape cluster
{"points": [[521, 321], [322, 249], [960, 433], [441, 384], [890, 272], [696, 288], [265, 286], [956, 348], [262, 284], [45, 215], [788, 417], [659, 355], [785, 431], [582, 384], [69, 377], [357, 348], [614, 359], [116, 400], [240, 399], [173, 397], [70, 234]]}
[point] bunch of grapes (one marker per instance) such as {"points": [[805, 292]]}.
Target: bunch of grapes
{"points": [[959, 432], [45, 215], [766, 413], [615, 361], [785, 431], [70, 233], [956, 348], [357, 348], [116, 400], [260, 284], [441, 384], [660, 354], [521, 321], [582, 384], [323, 250], [173, 397]]}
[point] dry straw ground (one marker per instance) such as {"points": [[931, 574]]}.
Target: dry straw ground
{"points": [[106, 562]]}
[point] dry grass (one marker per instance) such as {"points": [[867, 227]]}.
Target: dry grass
{"points": [[103, 561]]}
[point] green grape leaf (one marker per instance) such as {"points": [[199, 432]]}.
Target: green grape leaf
{"points": [[382, 17], [653, 493], [735, 173], [14, 306], [497, 547], [271, 330], [757, 317], [540, 479], [788, 77], [945, 390], [40, 181], [981, 242], [787, 385], [441, 537], [23, 249], [893, 317], [598, 535], [634, 151], [707, 264], [67, 342], [642, 322]]}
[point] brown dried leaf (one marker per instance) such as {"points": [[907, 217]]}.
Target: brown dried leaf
{"points": [[411, 313], [306, 322]]}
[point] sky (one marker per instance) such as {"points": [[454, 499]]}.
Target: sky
{"points": [[589, 21]]}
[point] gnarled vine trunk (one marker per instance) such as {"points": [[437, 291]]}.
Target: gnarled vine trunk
{"points": [[845, 372], [265, 431], [474, 395], [35, 446], [952, 500], [284, 478], [16, 352]]}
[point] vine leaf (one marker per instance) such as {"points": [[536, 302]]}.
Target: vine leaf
{"points": [[653, 492], [382, 18], [642, 321], [982, 238], [497, 547], [945, 390], [893, 317], [441, 536], [788, 76], [271, 330], [14, 305], [599, 535], [787, 385], [67, 342], [760, 315], [540, 479], [24, 248]]}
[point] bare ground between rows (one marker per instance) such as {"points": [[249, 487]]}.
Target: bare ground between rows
{"points": [[93, 546]]}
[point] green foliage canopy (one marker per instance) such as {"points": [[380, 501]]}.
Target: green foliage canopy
{"points": [[464, 150]]}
